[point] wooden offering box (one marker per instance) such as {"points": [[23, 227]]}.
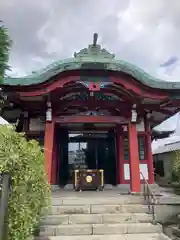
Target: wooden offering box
{"points": [[86, 179]]}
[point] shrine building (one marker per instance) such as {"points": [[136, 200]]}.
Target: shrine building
{"points": [[92, 111]]}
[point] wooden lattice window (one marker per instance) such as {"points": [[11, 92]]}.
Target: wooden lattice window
{"points": [[141, 147], [126, 149]]}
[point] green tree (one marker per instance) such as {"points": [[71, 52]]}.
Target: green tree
{"points": [[30, 191], [5, 44]]}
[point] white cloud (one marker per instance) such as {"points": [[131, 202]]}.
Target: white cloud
{"points": [[143, 32]]}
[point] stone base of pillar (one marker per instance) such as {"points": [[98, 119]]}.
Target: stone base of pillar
{"points": [[123, 188], [55, 188], [69, 186], [108, 187]]}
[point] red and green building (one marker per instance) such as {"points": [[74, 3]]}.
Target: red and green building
{"points": [[106, 107]]}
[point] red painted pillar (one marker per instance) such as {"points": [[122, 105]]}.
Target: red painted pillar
{"points": [[120, 159], [48, 148], [149, 154], [134, 158]]}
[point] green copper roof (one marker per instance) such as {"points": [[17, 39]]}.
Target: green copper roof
{"points": [[93, 57]]}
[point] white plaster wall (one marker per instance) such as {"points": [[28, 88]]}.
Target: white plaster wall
{"points": [[143, 168], [126, 171]]}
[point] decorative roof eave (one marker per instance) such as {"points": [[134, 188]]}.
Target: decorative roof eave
{"points": [[88, 58]]}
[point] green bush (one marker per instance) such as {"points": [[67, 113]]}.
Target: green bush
{"points": [[29, 188]]}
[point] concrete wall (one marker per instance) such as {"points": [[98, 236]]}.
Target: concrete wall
{"points": [[167, 209], [166, 213], [167, 159]]}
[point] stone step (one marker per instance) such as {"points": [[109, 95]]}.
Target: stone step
{"points": [[98, 209], [73, 209], [148, 236], [59, 201], [99, 229], [134, 208], [96, 218]]}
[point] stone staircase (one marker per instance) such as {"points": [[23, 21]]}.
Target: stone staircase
{"points": [[95, 216]]}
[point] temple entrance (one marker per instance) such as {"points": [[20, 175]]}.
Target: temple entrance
{"points": [[87, 151]]}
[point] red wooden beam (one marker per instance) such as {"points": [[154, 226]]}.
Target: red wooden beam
{"points": [[74, 90], [115, 106], [107, 89], [173, 103], [131, 86], [111, 103], [48, 87], [166, 112], [90, 119], [111, 111], [74, 128], [140, 90], [93, 103]]}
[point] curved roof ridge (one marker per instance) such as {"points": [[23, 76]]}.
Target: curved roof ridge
{"points": [[125, 65], [74, 63]]}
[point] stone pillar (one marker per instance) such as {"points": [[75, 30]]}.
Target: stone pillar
{"points": [[48, 148], [134, 158]]}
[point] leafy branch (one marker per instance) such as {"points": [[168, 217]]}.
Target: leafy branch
{"points": [[5, 44]]}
